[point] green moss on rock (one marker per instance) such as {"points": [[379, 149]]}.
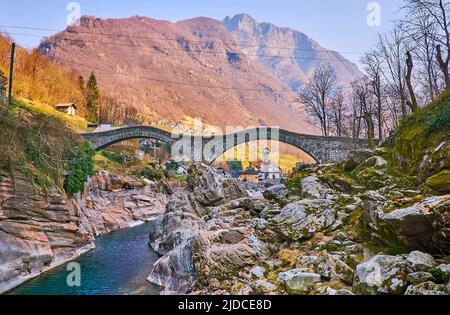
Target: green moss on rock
{"points": [[440, 182]]}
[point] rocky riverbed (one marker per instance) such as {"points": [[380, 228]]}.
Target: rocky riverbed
{"points": [[39, 231], [330, 234], [352, 228]]}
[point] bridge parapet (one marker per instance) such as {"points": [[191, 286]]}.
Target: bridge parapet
{"points": [[322, 149]]}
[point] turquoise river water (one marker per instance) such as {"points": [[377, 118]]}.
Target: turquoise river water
{"points": [[119, 265]]}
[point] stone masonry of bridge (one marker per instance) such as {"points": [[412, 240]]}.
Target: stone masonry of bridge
{"points": [[322, 149]]}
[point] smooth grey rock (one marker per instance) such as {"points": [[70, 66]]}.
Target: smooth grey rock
{"points": [[382, 274], [419, 261], [377, 162], [312, 188], [298, 282], [304, 218], [257, 272], [331, 266]]}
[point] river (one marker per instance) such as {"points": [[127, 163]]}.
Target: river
{"points": [[119, 265]]}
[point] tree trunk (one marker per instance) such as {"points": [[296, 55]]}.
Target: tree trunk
{"points": [[370, 130], [443, 65], [410, 66]]}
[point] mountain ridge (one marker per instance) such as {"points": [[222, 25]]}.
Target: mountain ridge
{"points": [[191, 68], [302, 54]]}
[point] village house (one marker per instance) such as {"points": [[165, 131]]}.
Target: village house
{"points": [[68, 108], [249, 176]]}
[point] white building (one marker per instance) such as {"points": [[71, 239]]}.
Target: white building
{"points": [[269, 171], [68, 108]]}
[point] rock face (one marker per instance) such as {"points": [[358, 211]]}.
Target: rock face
{"points": [[37, 231], [112, 202], [41, 231], [423, 226], [312, 188], [204, 234]]}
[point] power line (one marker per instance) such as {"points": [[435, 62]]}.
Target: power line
{"points": [[188, 50], [176, 82], [176, 39]]}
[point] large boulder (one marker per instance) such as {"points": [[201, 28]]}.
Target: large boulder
{"points": [[175, 271], [205, 234], [332, 266], [382, 274], [313, 188], [298, 282], [211, 188], [419, 261], [277, 192], [377, 162], [222, 254], [424, 226], [303, 219], [356, 158], [372, 202]]}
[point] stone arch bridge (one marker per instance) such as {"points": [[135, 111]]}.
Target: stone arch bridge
{"points": [[322, 149]]}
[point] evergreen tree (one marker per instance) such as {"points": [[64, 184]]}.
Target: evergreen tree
{"points": [[92, 98]]}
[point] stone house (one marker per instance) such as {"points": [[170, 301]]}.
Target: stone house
{"points": [[69, 108]]}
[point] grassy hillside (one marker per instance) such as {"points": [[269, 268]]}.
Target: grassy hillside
{"points": [[43, 146], [76, 123], [421, 146]]}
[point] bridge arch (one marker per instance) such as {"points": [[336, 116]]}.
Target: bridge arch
{"points": [[322, 149]]}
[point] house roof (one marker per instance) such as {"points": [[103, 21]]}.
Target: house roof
{"points": [[250, 172], [66, 105]]}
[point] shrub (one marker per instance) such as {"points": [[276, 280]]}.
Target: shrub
{"points": [[81, 166]]}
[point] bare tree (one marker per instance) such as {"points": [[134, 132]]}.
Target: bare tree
{"points": [[438, 13], [318, 93], [337, 113], [373, 65], [392, 49], [420, 31], [362, 90]]}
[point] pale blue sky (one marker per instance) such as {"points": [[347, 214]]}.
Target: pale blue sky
{"points": [[340, 25]]}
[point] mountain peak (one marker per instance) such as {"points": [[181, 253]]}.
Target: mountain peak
{"points": [[239, 21]]}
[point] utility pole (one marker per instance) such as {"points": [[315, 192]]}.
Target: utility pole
{"points": [[11, 73]]}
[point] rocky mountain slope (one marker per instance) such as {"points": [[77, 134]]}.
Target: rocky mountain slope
{"points": [[172, 70], [265, 43]]}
